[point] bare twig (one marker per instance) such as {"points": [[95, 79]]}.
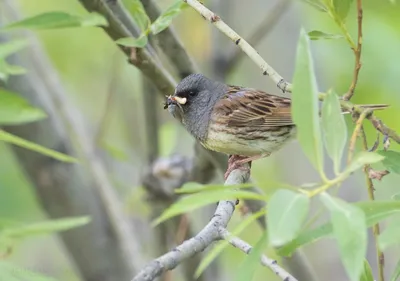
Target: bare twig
{"points": [[357, 53], [265, 261], [239, 41], [371, 195], [356, 133], [385, 130], [234, 54]]}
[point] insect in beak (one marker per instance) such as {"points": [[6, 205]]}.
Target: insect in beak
{"points": [[174, 100]]}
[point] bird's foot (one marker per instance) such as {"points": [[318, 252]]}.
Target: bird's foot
{"points": [[236, 162]]}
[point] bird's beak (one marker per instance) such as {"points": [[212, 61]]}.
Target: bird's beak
{"points": [[174, 105]]}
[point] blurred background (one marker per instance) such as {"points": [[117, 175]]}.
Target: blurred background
{"points": [[105, 96]]}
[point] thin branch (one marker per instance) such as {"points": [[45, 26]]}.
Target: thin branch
{"points": [[202, 240], [139, 57], [371, 195], [357, 53], [265, 261], [234, 55], [355, 134], [239, 41]]}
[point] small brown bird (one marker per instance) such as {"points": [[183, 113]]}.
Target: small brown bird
{"points": [[245, 123]]}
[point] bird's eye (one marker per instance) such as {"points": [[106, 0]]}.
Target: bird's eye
{"points": [[192, 94]]}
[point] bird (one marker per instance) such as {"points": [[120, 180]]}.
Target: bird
{"points": [[245, 123]]}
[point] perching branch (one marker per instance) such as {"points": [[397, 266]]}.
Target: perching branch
{"points": [[212, 232]]}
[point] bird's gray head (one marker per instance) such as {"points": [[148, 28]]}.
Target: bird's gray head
{"points": [[193, 102]]}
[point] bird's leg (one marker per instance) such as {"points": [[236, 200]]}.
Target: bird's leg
{"points": [[234, 163]]}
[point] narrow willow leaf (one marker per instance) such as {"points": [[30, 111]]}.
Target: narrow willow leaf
{"points": [[44, 227], [193, 187], [53, 20], [16, 110], [165, 19], [396, 273], [341, 8], [390, 236], [287, 211], [317, 35], [375, 211], [367, 275], [305, 104], [391, 161], [250, 264], [7, 137], [362, 158], [12, 272], [8, 69], [137, 11], [12, 47], [334, 128], [139, 42], [215, 251], [349, 228], [197, 200]]}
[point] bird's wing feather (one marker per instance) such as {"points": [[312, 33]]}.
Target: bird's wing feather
{"points": [[245, 107]]}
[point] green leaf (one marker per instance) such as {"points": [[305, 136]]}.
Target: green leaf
{"points": [[139, 42], [367, 275], [12, 47], [349, 228], [165, 19], [250, 264], [16, 110], [44, 227], [391, 161], [7, 137], [317, 35], [341, 8], [396, 273], [138, 13], [194, 187], [7, 69], [197, 200], [305, 104], [286, 211], [317, 5], [334, 128], [12, 272], [52, 20], [390, 236], [375, 211], [362, 158], [215, 251]]}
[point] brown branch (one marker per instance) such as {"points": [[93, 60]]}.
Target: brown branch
{"points": [[385, 130], [356, 133], [371, 195], [357, 53]]}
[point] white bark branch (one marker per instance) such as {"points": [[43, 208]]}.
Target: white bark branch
{"points": [[265, 261], [246, 47]]}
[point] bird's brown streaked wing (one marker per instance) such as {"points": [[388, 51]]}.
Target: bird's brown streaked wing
{"points": [[245, 107]]}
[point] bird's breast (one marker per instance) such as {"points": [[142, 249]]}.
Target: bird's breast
{"points": [[246, 141]]}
